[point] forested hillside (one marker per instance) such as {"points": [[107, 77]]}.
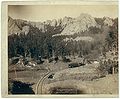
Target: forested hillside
{"points": [[84, 36]]}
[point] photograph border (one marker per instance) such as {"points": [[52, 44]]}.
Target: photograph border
{"points": [[4, 43]]}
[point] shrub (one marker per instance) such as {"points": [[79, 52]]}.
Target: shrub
{"points": [[106, 67], [66, 59], [50, 60], [18, 87], [72, 65]]}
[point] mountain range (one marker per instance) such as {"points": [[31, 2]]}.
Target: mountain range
{"points": [[67, 25]]}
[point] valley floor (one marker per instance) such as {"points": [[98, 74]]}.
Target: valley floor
{"points": [[65, 77]]}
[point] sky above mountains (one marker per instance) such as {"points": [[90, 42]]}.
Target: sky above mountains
{"points": [[49, 12]]}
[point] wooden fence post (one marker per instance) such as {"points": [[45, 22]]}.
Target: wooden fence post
{"points": [[15, 72], [113, 70]]}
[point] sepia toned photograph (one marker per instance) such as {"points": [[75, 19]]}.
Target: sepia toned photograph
{"points": [[62, 49]]}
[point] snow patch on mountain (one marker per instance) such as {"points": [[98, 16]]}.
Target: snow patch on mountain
{"points": [[82, 38]]}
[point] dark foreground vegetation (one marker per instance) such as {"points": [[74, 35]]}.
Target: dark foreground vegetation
{"points": [[18, 87]]}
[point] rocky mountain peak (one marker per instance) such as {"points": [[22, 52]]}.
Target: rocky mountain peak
{"points": [[53, 23], [12, 27], [108, 21], [86, 19], [65, 26], [79, 24], [66, 21]]}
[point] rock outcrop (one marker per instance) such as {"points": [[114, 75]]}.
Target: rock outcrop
{"points": [[78, 25], [108, 21], [12, 27]]}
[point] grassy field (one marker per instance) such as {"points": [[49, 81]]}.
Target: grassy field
{"points": [[106, 85]]}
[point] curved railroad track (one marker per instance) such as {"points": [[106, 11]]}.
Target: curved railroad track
{"points": [[40, 82]]}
